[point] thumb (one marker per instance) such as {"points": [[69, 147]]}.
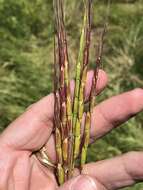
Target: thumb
{"points": [[82, 182]]}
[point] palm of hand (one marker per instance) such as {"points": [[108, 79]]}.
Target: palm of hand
{"points": [[20, 170]]}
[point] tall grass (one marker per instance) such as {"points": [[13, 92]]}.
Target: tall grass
{"points": [[68, 115], [30, 57]]}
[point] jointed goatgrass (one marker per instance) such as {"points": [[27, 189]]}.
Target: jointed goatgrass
{"points": [[68, 113]]}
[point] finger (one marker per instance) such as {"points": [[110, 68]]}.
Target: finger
{"points": [[33, 128], [118, 172], [115, 111], [82, 182]]}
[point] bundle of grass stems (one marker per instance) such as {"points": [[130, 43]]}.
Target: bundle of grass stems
{"points": [[72, 135]]}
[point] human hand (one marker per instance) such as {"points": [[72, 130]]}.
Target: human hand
{"points": [[20, 169]]}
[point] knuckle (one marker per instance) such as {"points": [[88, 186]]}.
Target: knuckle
{"points": [[136, 100], [134, 164], [137, 93], [131, 155], [88, 181]]}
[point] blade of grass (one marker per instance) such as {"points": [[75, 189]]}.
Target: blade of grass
{"points": [[81, 77], [65, 98], [93, 94], [86, 138]]}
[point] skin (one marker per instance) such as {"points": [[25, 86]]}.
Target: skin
{"points": [[20, 169]]}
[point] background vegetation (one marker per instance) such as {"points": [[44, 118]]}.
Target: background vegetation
{"points": [[26, 45]]}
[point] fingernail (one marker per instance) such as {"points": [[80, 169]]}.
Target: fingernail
{"points": [[84, 182]]}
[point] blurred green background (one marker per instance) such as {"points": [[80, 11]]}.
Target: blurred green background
{"points": [[26, 57]]}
